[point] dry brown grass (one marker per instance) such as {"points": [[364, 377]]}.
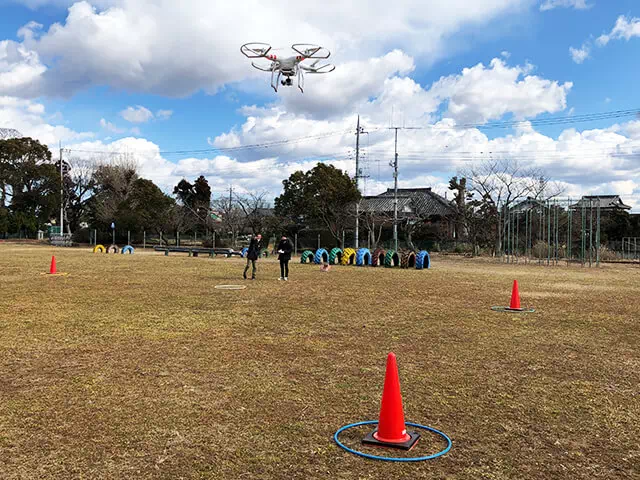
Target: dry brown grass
{"points": [[136, 367]]}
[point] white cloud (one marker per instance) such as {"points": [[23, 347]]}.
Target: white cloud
{"points": [[35, 4], [481, 94], [140, 114], [27, 117], [177, 48], [625, 28], [164, 114], [577, 4], [137, 114], [632, 129], [20, 69], [579, 55], [110, 127]]}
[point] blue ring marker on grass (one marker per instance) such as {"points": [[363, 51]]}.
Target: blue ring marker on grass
{"points": [[392, 459]]}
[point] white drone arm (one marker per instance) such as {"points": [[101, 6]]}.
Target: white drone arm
{"points": [[259, 67]]}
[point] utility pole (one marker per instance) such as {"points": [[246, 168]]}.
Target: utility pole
{"points": [[359, 130], [61, 194], [395, 194], [394, 164], [357, 182], [230, 196]]}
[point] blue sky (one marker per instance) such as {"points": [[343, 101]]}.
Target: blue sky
{"points": [[72, 82]]}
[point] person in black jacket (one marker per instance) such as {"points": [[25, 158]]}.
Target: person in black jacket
{"points": [[284, 249], [253, 252]]}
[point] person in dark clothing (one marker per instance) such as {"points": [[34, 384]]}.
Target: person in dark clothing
{"points": [[284, 249], [253, 252]]}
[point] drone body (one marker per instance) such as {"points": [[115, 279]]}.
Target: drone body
{"points": [[288, 67]]}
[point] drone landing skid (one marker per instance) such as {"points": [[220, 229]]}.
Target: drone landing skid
{"points": [[274, 85]]}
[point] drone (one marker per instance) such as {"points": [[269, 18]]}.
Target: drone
{"points": [[288, 67]]}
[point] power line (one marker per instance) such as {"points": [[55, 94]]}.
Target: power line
{"points": [[570, 119]]}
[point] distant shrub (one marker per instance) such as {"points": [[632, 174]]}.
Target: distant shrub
{"points": [[606, 254], [463, 248], [540, 250]]}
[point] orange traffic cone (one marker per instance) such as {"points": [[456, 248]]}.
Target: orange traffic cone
{"points": [[52, 269], [515, 297], [391, 431]]}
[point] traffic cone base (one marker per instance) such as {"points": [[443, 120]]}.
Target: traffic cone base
{"points": [[411, 439]]}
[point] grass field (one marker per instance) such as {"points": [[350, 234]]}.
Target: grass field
{"points": [[135, 367]]}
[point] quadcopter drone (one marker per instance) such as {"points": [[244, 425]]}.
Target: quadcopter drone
{"points": [[288, 66]]}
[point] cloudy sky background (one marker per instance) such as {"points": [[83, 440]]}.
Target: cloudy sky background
{"points": [[164, 82]]}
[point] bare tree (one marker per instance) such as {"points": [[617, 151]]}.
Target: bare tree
{"points": [[233, 217], [253, 207], [374, 222], [181, 219], [79, 186], [497, 184]]}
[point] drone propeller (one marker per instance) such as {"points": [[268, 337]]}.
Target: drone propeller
{"points": [[309, 50], [255, 49], [321, 69]]}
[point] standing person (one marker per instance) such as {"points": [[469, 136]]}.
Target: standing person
{"points": [[284, 249], [253, 252]]}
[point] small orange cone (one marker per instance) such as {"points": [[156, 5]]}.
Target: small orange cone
{"points": [[53, 270], [391, 431], [515, 297]]}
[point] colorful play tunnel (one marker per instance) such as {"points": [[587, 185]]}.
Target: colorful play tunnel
{"points": [[363, 257]]}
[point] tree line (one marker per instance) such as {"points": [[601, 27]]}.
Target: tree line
{"points": [[97, 194], [321, 200]]}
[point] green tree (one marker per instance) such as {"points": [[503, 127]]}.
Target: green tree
{"points": [[196, 199], [29, 185], [323, 197], [185, 193], [292, 204], [150, 207], [114, 185]]}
